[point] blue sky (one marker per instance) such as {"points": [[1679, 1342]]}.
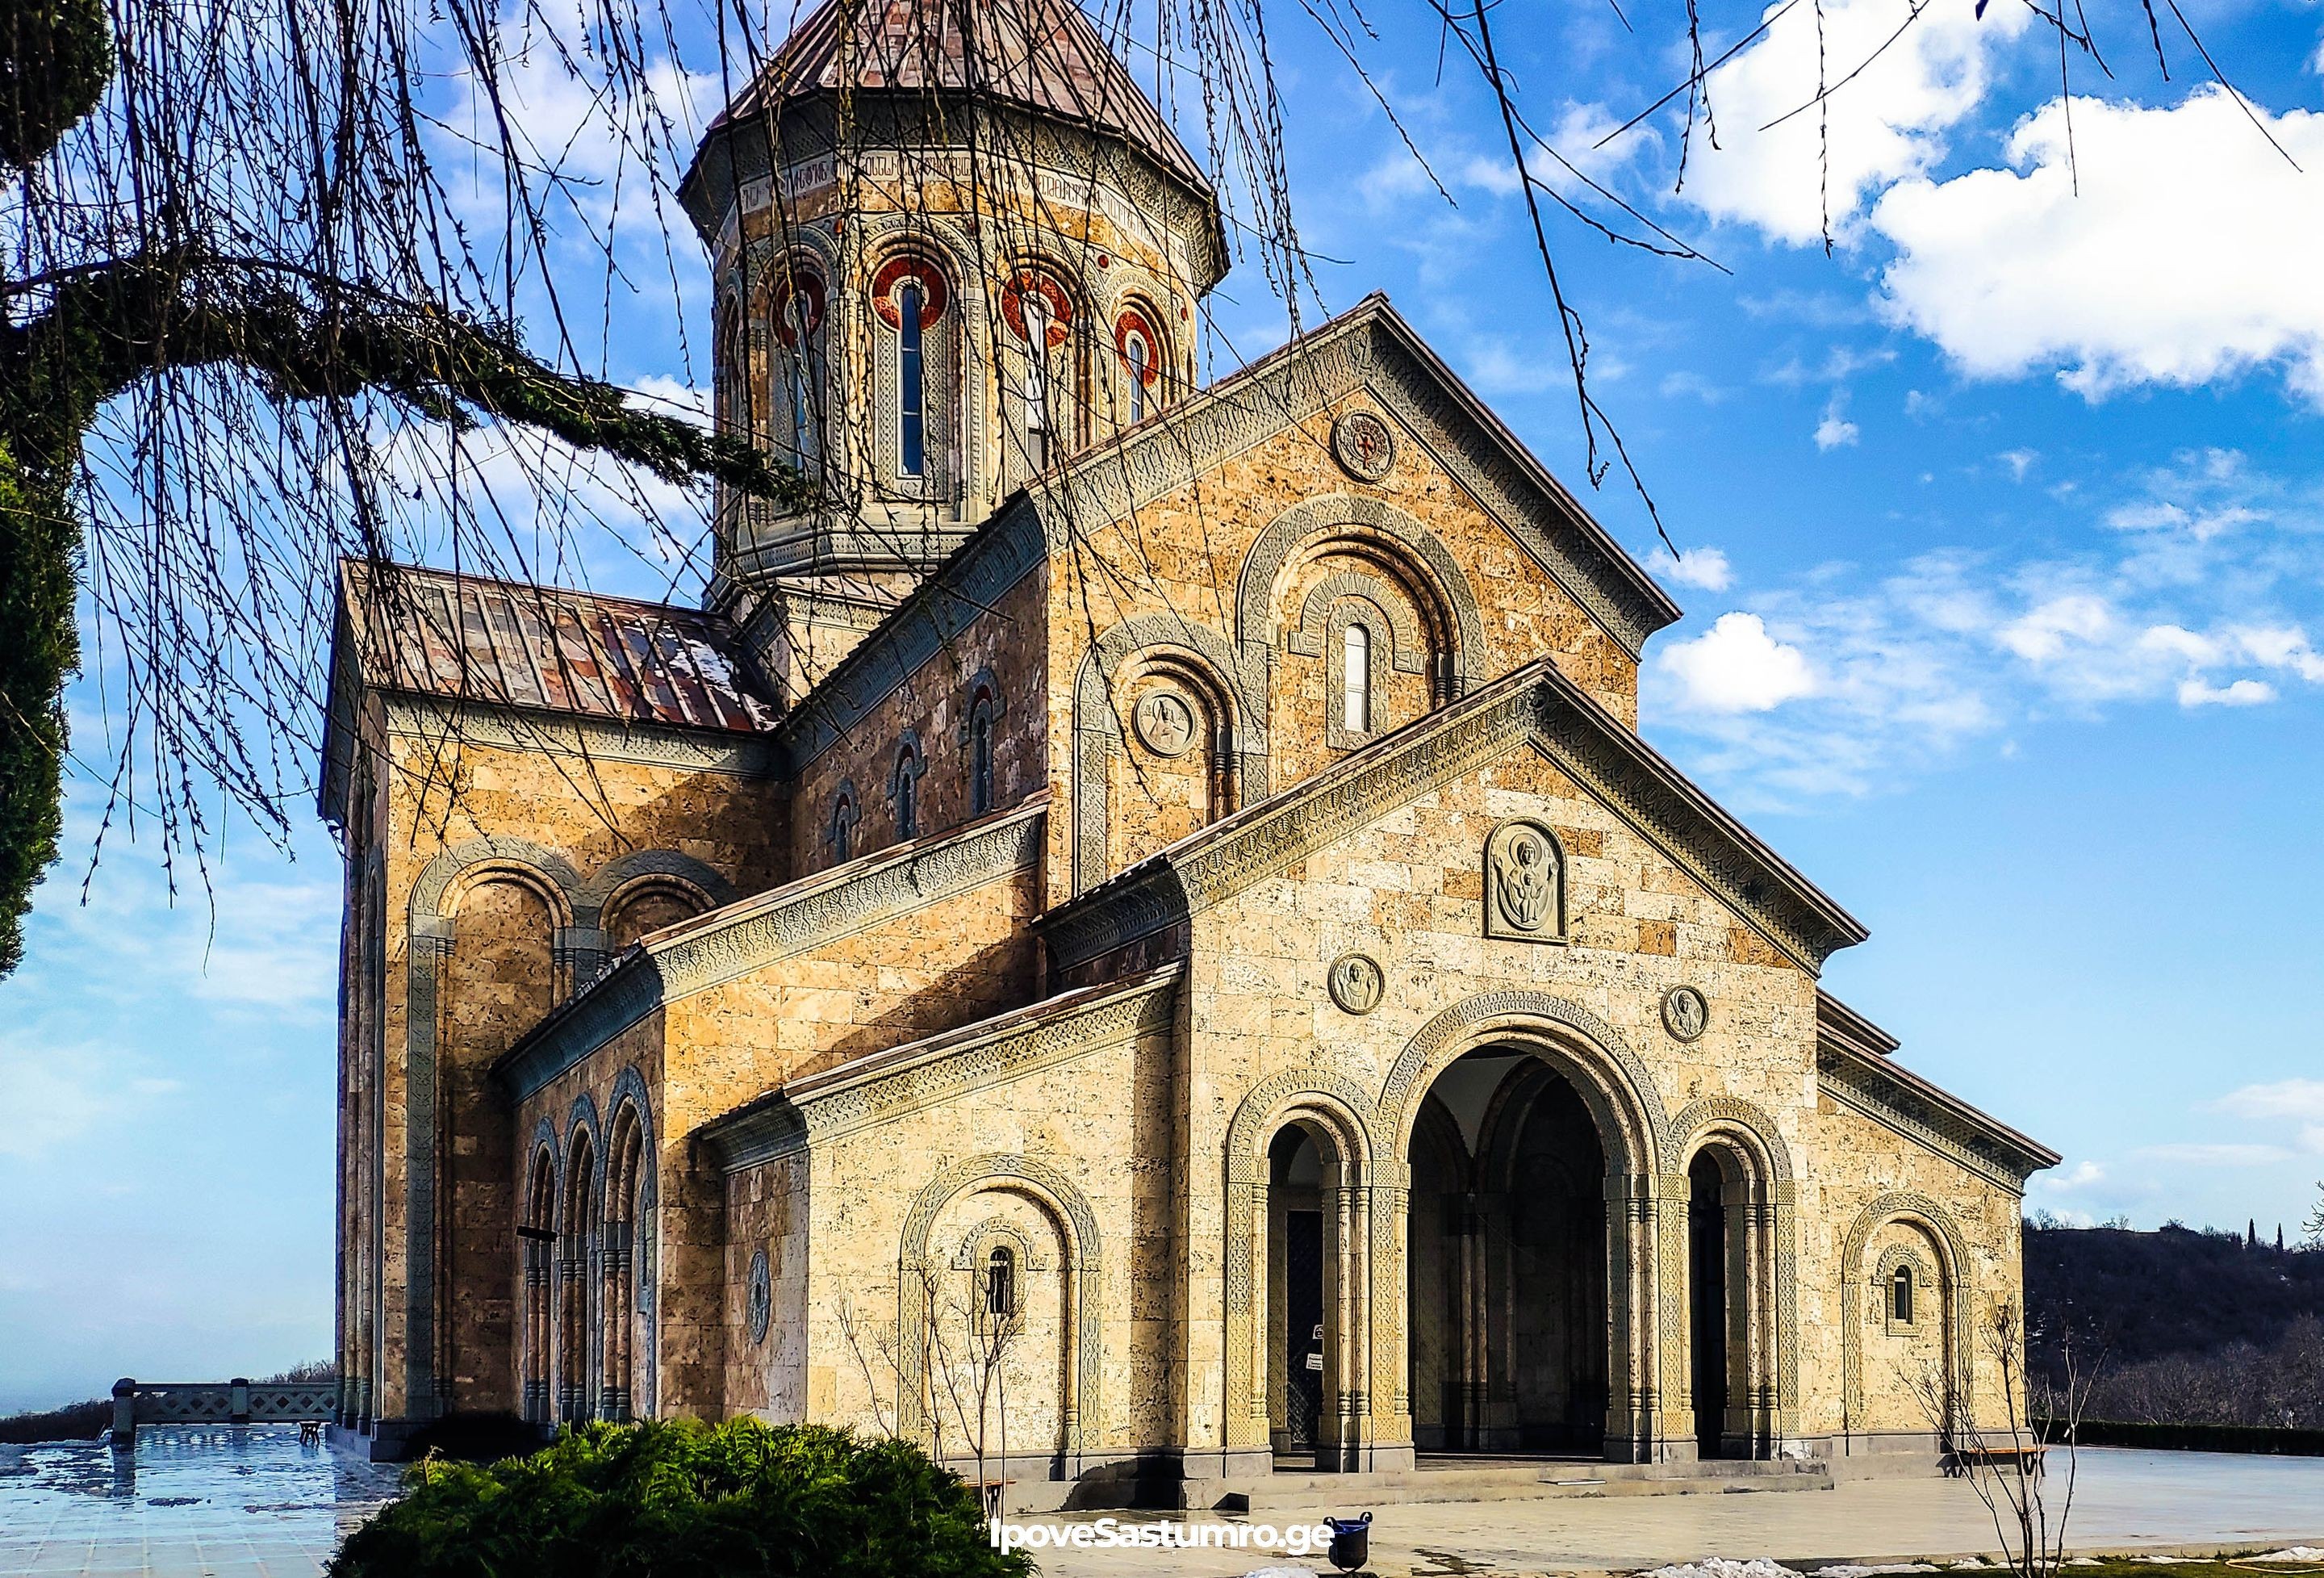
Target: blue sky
{"points": [[2005, 585]]}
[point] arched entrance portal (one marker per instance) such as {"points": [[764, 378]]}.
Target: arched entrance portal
{"points": [[1506, 1261]]}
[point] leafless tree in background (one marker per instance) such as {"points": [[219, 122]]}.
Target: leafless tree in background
{"points": [[288, 281]]}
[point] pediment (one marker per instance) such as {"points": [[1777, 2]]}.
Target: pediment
{"points": [[1371, 350], [1537, 708]]}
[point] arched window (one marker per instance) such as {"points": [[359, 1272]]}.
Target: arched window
{"points": [[916, 371], [980, 762], [904, 786], [1040, 412], [911, 383], [798, 327], [844, 814], [1142, 362], [979, 726], [1041, 313], [1356, 680], [1001, 1284], [907, 794], [1900, 1296]]}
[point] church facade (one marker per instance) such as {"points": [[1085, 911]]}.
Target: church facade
{"points": [[1139, 943]]}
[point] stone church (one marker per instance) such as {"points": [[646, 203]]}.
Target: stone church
{"points": [[1137, 943]]}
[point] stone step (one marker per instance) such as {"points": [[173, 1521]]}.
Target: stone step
{"points": [[1519, 1482]]}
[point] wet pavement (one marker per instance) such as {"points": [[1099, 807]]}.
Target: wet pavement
{"points": [[201, 1501], [191, 1501]]}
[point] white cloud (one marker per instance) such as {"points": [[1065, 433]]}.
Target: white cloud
{"points": [[1736, 666], [2019, 461], [1706, 568], [2292, 1099], [2045, 634], [2187, 253], [2235, 693], [1835, 430], [1886, 123], [1910, 664]]}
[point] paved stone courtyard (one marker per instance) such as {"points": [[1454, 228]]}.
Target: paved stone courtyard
{"points": [[192, 1501], [205, 1502]]}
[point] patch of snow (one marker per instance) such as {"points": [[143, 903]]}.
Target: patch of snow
{"points": [[1858, 1570], [1724, 1567]]}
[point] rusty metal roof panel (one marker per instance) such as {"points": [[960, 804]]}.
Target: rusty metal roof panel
{"points": [[472, 638], [1046, 54]]}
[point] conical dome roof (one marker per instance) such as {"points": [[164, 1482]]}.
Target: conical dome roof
{"points": [[1043, 54]]}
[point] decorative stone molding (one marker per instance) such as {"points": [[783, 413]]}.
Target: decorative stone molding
{"points": [[1408, 646], [1339, 1107], [1753, 1131], [1611, 1078], [630, 1094], [1069, 1212], [1420, 551], [1954, 1281], [1924, 1284], [1872, 1086], [775, 925], [1267, 837], [882, 1086], [1535, 705], [1371, 351], [484, 723], [1241, 684]]}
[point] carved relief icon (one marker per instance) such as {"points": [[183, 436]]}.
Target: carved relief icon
{"points": [[1164, 721], [1685, 1013], [1364, 444], [1354, 982], [1524, 878]]}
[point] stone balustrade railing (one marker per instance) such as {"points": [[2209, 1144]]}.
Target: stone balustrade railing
{"points": [[239, 1401]]}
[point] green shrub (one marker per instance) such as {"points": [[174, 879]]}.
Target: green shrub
{"points": [[666, 1499]]}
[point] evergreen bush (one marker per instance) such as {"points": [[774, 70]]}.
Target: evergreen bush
{"points": [[682, 1498]]}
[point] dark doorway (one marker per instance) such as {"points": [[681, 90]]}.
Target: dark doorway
{"points": [[1506, 1234], [1303, 1326], [1706, 1225]]}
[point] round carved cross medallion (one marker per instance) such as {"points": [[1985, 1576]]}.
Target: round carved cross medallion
{"points": [[1684, 1012], [1362, 442], [1165, 721], [760, 1308], [1354, 982]]}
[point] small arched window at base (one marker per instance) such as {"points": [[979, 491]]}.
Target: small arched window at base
{"points": [[1001, 1284], [1900, 1296]]}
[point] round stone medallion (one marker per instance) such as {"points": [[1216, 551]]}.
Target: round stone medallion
{"points": [[1685, 1013], [1362, 442], [1355, 983], [762, 1297], [1164, 721]]}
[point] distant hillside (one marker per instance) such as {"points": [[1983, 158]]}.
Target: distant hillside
{"points": [[2193, 1326], [2146, 1294]]}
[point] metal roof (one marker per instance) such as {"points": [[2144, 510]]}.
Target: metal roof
{"points": [[471, 638], [1046, 54]]}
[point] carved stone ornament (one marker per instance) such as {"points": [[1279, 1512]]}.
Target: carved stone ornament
{"points": [[1355, 982], [1164, 721], [1363, 443], [1524, 883], [759, 1301], [1684, 1012]]}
